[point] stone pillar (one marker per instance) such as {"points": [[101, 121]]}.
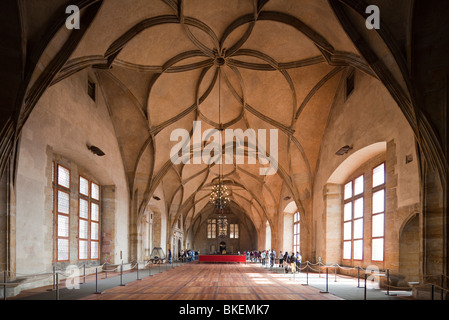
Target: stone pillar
{"points": [[332, 222], [7, 226], [391, 243], [107, 251], [157, 220]]}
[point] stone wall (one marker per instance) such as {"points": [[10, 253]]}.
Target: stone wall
{"points": [[61, 126], [368, 117]]}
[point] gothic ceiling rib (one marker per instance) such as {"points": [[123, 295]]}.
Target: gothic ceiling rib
{"points": [[274, 65], [260, 84]]}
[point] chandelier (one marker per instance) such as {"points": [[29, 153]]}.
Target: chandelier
{"points": [[219, 196]]}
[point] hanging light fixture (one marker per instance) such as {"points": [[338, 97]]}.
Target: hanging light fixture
{"points": [[219, 196]]}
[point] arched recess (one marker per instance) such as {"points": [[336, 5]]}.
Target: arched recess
{"points": [[268, 236], [333, 198], [288, 213], [409, 249], [144, 236]]}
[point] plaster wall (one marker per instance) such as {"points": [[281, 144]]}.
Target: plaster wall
{"points": [[64, 121], [367, 116]]}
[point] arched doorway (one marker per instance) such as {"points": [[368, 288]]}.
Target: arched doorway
{"points": [[223, 247], [409, 249]]}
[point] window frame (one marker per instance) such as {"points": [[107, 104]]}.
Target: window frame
{"points": [[296, 235], [211, 228], [90, 200], [56, 189], [375, 189], [352, 199], [234, 231]]}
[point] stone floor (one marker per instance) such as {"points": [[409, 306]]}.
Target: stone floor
{"points": [[207, 281]]}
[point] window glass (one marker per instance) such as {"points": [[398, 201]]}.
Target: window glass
{"points": [[63, 177], [379, 175]]}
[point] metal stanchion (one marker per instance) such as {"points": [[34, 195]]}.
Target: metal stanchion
{"points": [[433, 291], [335, 280], [307, 275], [121, 275], [105, 271], [137, 266], [5, 278], [388, 282], [327, 281], [442, 286], [149, 270], [358, 276], [57, 286], [96, 282], [54, 279], [84, 281], [364, 288]]}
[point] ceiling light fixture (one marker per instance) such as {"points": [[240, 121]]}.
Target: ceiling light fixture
{"points": [[95, 150], [219, 196], [343, 150]]}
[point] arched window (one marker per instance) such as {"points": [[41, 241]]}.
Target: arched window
{"points": [[378, 213], [353, 213], [356, 215], [87, 215], [296, 232]]}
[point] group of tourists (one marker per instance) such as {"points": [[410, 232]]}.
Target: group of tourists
{"points": [[290, 262], [188, 255]]}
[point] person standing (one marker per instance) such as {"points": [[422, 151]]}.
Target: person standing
{"points": [[293, 262], [281, 259], [298, 261]]}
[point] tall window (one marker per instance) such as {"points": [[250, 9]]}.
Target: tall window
{"points": [[211, 228], [61, 194], [89, 219], [378, 213], [296, 232], [353, 219], [234, 231]]}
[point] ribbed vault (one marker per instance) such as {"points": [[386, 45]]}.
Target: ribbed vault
{"points": [[163, 64]]}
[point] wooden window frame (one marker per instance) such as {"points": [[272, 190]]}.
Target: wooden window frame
{"points": [[56, 188], [233, 234], [90, 200], [349, 78], [352, 199], [297, 235], [211, 228], [375, 189]]}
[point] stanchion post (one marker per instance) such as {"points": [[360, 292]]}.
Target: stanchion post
{"points": [[54, 278], [5, 278], [442, 286], [307, 275], [335, 280], [327, 281], [137, 266], [388, 282], [121, 275], [96, 281], [433, 291], [364, 288], [57, 286], [105, 271], [358, 276], [84, 267]]}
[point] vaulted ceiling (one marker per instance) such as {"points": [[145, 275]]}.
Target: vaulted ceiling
{"points": [[162, 64]]}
